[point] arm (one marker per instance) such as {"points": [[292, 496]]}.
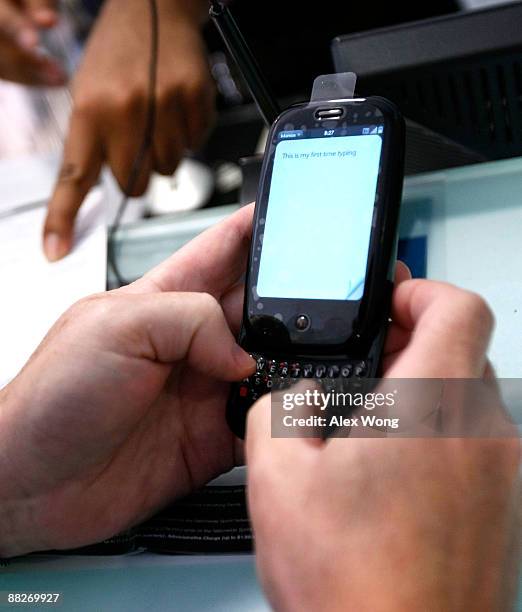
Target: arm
{"points": [[110, 94]]}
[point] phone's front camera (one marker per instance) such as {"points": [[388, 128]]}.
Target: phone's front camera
{"points": [[302, 322]]}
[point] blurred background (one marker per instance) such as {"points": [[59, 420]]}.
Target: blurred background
{"points": [[292, 41]]}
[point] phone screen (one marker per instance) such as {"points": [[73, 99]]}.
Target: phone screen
{"points": [[319, 216]]}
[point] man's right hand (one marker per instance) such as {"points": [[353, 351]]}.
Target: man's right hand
{"points": [[20, 60], [392, 523]]}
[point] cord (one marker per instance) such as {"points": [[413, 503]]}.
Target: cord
{"points": [[146, 142]]}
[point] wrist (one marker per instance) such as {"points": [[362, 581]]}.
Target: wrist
{"points": [[179, 12], [17, 511]]}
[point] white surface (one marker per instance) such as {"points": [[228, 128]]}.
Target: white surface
{"points": [[472, 218], [34, 292], [25, 179], [478, 4], [189, 188]]}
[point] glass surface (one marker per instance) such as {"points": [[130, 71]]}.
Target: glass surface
{"points": [[319, 216]]}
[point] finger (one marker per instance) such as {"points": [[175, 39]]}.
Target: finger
{"points": [[17, 27], [271, 458], [402, 273], [262, 448], [124, 147], [43, 12], [232, 304], [169, 327], [81, 166], [397, 338], [25, 67], [452, 328], [170, 139], [199, 103], [212, 262]]}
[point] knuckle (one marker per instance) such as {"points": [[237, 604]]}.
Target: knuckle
{"points": [[81, 312], [128, 102], [476, 309], [167, 94], [77, 176], [208, 304], [96, 102], [195, 89], [92, 305], [86, 104]]}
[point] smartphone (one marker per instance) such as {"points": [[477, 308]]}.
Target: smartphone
{"points": [[320, 271]]}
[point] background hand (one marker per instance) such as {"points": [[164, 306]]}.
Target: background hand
{"points": [[110, 97], [20, 60]]}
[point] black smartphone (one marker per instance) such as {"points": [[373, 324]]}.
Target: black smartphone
{"points": [[321, 265]]}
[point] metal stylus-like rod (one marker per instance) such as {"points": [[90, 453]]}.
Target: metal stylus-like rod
{"points": [[246, 62]]}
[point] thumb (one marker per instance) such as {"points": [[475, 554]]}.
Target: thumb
{"points": [[270, 458], [169, 327], [448, 329]]}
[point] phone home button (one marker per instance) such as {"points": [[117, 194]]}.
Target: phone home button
{"points": [[302, 322]]}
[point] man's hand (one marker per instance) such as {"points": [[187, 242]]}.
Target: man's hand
{"points": [[110, 96], [390, 523], [20, 61], [122, 407]]}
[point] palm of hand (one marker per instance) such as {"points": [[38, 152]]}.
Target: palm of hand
{"points": [[106, 429], [167, 446]]}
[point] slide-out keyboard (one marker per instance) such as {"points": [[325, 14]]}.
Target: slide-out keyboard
{"points": [[270, 369]]}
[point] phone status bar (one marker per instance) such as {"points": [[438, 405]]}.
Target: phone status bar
{"points": [[352, 130]]}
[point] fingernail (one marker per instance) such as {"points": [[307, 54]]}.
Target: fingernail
{"points": [[27, 39], [243, 359], [55, 247], [45, 16]]}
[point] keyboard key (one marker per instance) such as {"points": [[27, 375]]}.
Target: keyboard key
{"points": [[320, 371], [308, 370], [346, 371], [243, 391], [333, 371], [295, 370], [272, 367], [360, 369], [283, 369], [258, 380]]}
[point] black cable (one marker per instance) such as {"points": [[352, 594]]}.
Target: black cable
{"points": [[246, 61], [146, 144]]}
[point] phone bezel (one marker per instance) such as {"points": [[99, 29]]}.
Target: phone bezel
{"points": [[338, 326]]}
